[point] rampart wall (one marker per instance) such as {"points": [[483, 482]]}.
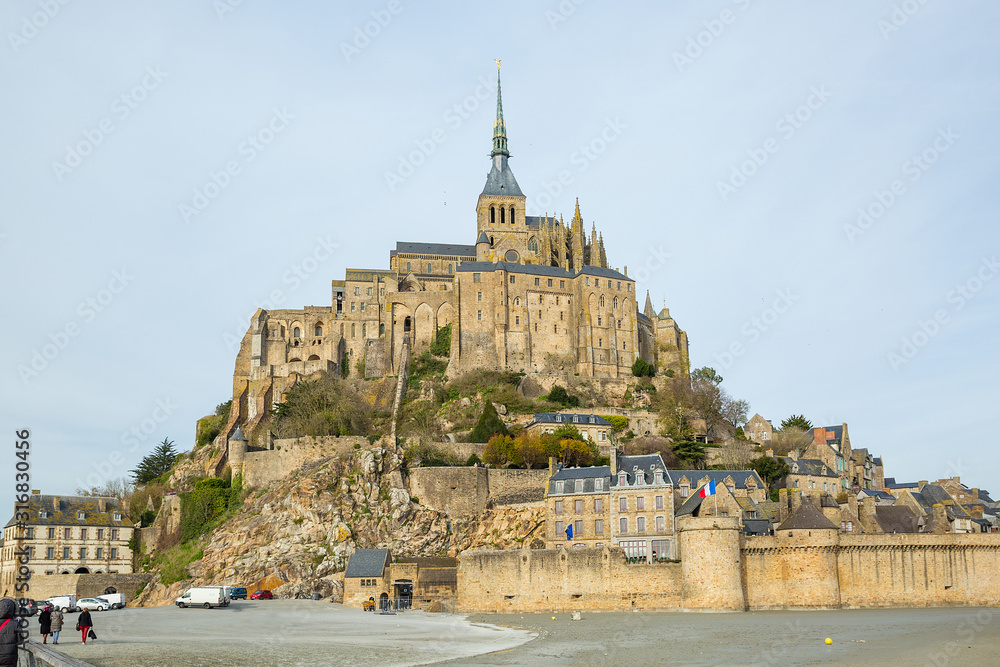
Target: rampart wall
{"points": [[721, 570], [261, 468], [510, 487], [454, 491], [45, 586]]}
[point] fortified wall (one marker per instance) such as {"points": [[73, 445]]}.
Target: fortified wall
{"points": [[263, 467], [458, 491], [720, 570], [46, 586]]}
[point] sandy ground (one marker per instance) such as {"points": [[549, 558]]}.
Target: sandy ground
{"points": [[281, 633], [935, 637], [303, 632]]}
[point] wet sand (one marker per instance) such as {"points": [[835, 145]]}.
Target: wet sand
{"points": [[969, 637]]}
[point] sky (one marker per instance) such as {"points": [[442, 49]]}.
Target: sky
{"points": [[811, 188]]}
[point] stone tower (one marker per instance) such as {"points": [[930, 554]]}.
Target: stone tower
{"points": [[500, 212]]}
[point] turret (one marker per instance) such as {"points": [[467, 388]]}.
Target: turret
{"points": [[237, 451]]}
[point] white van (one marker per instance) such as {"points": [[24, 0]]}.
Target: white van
{"points": [[203, 596], [64, 603], [116, 600]]}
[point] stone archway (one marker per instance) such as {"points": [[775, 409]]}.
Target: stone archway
{"points": [[82, 570]]}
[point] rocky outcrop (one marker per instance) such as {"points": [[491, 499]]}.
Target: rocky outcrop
{"points": [[297, 536]]}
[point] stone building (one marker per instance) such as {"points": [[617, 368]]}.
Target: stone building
{"points": [[532, 293], [418, 583], [592, 427], [758, 430], [67, 535], [808, 474], [628, 504]]}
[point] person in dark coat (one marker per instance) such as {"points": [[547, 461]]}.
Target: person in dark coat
{"points": [[45, 624], [9, 637], [86, 623]]}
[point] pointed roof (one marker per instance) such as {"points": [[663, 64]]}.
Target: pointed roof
{"points": [[807, 517], [238, 435], [648, 308], [482, 238], [499, 126]]}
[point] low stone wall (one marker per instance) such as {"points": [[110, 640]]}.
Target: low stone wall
{"points": [[454, 491], [45, 586], [261, 468], [513, 487], [640, 422]]}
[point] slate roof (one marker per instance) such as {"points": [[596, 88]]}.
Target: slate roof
{"points": [[768, 509], [434, 249], [813, 467], [483, 238], [740, 477], [582, 473], [878, 460], [807, 517], [932, 494], [641, 316], [692, 503], [896, 519], [756, 527], [69, 507], [881, 495], [984, 496], [238, 435], [891, 483], [560, 418], [501, 181], [532, 269], [367, 563], [648, 463], [601, 271]]}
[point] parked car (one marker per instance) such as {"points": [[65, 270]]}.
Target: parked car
{"points": [[237, 593], [203, 596], [64, 603], [27, 607], [93, 604], [262, 595], [116, 600]]}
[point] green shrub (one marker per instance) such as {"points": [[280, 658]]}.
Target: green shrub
{"points": [[560, 396], [619, 423], [326, 406], [441, 347], [642, 368], [472, 460], [489, 425]]}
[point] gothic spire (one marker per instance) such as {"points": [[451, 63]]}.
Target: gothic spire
{"points": [[499, 127], [648, 310]]}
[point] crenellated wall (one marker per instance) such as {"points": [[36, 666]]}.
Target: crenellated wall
{"points": [[718, 569]]}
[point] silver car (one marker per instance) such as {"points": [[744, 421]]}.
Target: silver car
{"points": [[93, 604]]}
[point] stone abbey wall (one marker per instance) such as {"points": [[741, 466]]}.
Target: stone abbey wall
{"points": [[459, 491], [721, 570], [261, 468]]}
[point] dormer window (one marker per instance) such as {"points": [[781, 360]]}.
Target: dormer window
{"points": [[640, 477], [622, 479], [117, 516], [579, 486], [657, 477], [81, 516], [559, 486], [43, 515]]}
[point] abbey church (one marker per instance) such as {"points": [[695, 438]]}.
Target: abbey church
{"points": [[532, 294]]}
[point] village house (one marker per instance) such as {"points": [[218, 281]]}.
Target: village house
{"points": [[939, 512], [808, 474], [592, 427], [627, 504], [68, 535], [373, 575], [758, 430]]}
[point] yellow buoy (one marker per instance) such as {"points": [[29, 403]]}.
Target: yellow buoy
{"points": [[828, 641], [553, 618]]}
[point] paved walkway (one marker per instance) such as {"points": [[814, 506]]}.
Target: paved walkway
{"points": [[281, 633]]}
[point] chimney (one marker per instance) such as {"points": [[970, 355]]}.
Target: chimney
{"points": [[941, 524], [55, 503], [36, 492], [852, 503], [769, 453], [552, 466], [782, 505], [794, 455], [614, 461], [102, 505], [796, 500]]}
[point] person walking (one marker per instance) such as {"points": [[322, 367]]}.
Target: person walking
{"points": [[8, 633], [57, 623], [45, 624], [85, 623]]}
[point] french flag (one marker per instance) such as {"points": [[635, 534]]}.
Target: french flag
{"points": [[708, 489]]}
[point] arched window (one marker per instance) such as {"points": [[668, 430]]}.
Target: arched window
{"points": [[616, 303], [319, 330], [512, 215], [364, 330], [501, 215], [602, 301], [517, 301], [381, 330], [493, 216], [296, 332], [450, 270], [533, 245]]}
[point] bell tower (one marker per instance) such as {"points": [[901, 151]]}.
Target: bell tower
{"points": [[501, 207]]}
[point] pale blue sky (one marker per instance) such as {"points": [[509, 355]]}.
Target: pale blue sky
{"points": [[671, 98]]}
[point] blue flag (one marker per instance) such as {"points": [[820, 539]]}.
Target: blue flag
{"points": [[569, 532]]}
